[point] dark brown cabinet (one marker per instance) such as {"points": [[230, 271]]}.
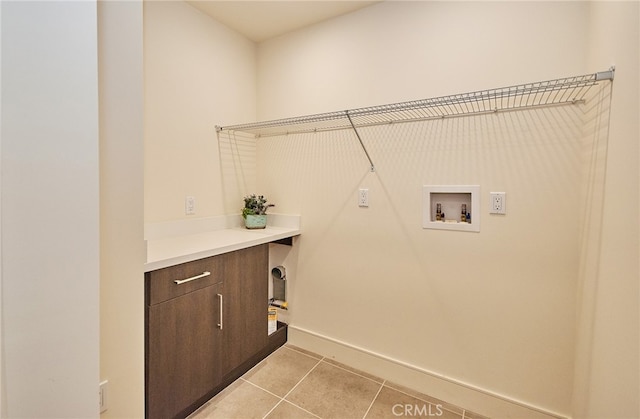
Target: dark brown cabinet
{"points": [[183, 342], [246, 303], [205, 325]]}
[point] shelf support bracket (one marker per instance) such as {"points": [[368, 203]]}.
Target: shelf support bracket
{"points": [[606, 75], [373, 168]]}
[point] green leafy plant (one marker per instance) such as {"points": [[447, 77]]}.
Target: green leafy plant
{"points": [[255, 205]]}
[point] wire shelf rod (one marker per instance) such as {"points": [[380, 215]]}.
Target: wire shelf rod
{"points": [[373, 168], [418, 119], [551, 92]]}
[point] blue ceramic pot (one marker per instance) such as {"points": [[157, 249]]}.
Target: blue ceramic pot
{"points": [[255, 221]]}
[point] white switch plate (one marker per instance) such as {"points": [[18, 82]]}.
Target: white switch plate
{"points": [[190, 205], [103, 395], [498, 204]]}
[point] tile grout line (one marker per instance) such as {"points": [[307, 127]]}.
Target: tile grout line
{"points": [[282, 399], [430, 401], [301, 408], [384, 383], [257, 386], [305, 376], [374, 399], [449, 408], [323, 359], [293, 348], [355, 373], [266, 391], [273, 408]]}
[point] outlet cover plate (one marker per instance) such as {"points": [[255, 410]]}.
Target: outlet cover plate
{"points": [[363, 197], [498, 203]]}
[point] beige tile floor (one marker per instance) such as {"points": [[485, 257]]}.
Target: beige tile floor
{"points": [[294, 383]]}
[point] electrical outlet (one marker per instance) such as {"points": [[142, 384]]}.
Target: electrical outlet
{"points": [[363, 198], [498, 203], [103, 396], [190, 205]]}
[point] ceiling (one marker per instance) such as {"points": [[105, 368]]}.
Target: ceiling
{"points": [[261, 20]]}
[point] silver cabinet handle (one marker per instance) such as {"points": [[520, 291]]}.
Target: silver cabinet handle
{"points": [[220, 298], [202, 275]]}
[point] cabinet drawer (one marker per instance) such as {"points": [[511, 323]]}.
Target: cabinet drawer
{"points": [[174, 281]]}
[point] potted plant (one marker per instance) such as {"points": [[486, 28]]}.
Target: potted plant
{"points": [[255, 211]]}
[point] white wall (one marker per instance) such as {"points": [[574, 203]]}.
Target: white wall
{"points": [[405, 50], [607, 383], [50, 225], [2, 394], [494, 310], [198, 73], [122, 250]]}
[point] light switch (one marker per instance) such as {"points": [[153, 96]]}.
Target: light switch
{"points": [[190, 205]]}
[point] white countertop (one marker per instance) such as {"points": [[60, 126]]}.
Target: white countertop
{"points": [[164, 250]]}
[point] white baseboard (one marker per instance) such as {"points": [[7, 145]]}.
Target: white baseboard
{"points": [[436, 385]]}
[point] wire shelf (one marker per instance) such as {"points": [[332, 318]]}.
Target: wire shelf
{"points": [[562, 91], [568, 90]]}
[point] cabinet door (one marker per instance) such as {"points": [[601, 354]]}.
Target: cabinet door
{"points": [[246, 302], [183, 343]]}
